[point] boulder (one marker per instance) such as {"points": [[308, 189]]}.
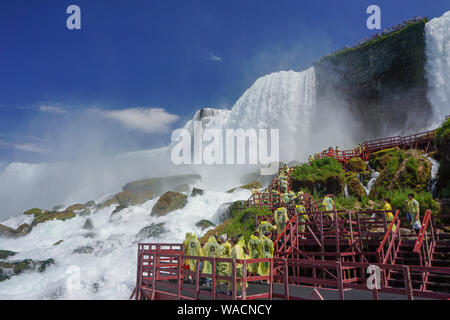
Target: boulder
{"points": [[9, 232], [250, 186], [9, 269], [88, 225], [196, 192], [357, 165], [76, 207], [229, 210], [152, 231], [131, 198], [4, 254], [108, 203], [405, 170], [182, 188], [84, 250], [355, 188], [168, 202], [90, 203], [48, 216], [160, 185], [34, 211], [117, 210], [57, 243], [204, 224]]}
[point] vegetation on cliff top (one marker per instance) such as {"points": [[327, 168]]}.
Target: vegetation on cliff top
{"points": [[442, 141]]}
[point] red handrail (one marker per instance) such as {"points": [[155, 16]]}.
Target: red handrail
{"points": [[422, 232]]}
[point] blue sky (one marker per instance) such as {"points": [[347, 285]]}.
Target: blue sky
{"points": [[65, 94]]}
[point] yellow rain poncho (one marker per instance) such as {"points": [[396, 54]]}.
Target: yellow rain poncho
{"points": [[242, 242], [193, 249], [281, 218], [209, 250], [265, 251], [223, 268], [254, 253], [328, 203], [302, 218], [265, 227], [389, 215], [237, 253]]}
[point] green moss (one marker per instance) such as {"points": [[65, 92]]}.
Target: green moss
{"points": [[356, 165], [48, 216], [442, 141], [322, 176], [34, 211], [403, 170], [243, 223]]}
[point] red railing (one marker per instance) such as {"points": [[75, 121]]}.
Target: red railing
{"points": [[367, 148], [424, 250], [392, 239]]}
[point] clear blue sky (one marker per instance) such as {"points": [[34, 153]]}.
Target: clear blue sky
{"points": [[56, 85]]}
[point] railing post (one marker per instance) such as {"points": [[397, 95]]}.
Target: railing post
{"points": [[271, 279], [244, 280], [340, 281], [233, 272], [154, 277], [139, 274], [180, 270], [197, 279], [213, 280], [286, 279], [408, 284]]}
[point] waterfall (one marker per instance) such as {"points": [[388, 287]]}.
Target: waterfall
{"points": [[438, 66], [434, 172]]}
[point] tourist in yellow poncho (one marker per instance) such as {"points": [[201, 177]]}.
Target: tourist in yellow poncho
{"points": [[265, 251], [194, 249], [281, 218], [302, 218], [254, 253], [413, 212], [237, 253], [224, 251], [328, 203], [265, 227], [388, 213], [210, 251]]}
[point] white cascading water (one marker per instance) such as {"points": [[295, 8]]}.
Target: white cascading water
{"points": [[438, 66], [283, 100], [434, 175]]}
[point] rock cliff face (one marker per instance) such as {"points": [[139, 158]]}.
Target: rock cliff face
{"points": [[382, 82]]}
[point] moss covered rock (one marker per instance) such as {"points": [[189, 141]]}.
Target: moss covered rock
{"points": [[378, 160], [5, 254], [168, 202], [196, 192], [204, 224], [76, 207], [322, 176], [9, 232], [357, 165], [54, 215], [404, 170], [33, 211], [250, 186], [152, 231], [355, 188], [14, 268], [219, 230]]}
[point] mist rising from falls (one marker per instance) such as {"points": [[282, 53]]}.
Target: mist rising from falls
{"points": [[438, 66]]}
